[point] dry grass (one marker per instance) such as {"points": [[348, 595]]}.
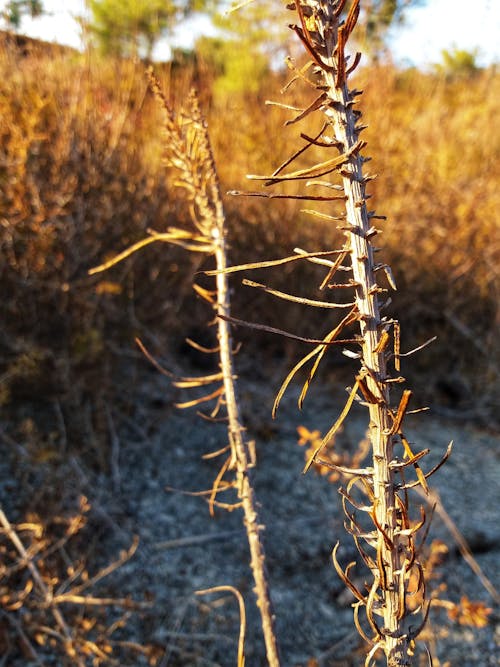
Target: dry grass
{"points": [[438, 134], [79, 178], [81, 175], [49, 605]]}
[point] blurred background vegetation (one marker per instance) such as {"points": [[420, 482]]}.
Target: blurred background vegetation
{"points": [[81, 178]]}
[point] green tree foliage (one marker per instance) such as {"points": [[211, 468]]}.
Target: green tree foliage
{"points": [[458, 63], [249, 44], [132, 27], [236, 69], [15, 9]]}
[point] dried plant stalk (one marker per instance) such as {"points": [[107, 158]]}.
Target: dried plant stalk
{"points": [[189, 155], [326, 35], [386, 538], [239, 448], [394, 552]]}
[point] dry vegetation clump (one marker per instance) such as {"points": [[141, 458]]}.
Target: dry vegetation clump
{"points": [[81, 174], [53, 607]]}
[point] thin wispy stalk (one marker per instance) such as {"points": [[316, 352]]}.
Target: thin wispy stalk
{"points": [[189, 155]]}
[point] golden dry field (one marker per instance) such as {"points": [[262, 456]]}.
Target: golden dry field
{"points": [[82, 177]]}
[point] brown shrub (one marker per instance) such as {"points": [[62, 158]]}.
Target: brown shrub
{"points": [[82, 177], [80, 172]]}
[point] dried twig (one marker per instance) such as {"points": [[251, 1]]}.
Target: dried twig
{"points": [[241, 605], [42, 587]]}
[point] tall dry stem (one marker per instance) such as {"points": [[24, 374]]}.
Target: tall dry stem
{"points": [[240, 455], [189, 155], [239, 448], [385, 538]]}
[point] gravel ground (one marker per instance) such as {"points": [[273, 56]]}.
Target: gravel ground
{"points": [[182, 549]]}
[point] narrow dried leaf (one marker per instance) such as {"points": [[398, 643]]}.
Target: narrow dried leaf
{"points": [[152, 360], [272, 262], [382, 343], [328, 142], [296, 299], [318, 102], [335, 427], [207, 295], [417, 349], [388, 542], [335, 266], [281, 332], [368, 395], [291, 375], [200, 348], [299, 73], [371, 654], [198, 401], [289, 107], [348, 319], [340, 75], [324, 216], [272, 195], [324, 184], [310, 142], [403, 406], [390, 277], [418, 470], [241, 605], [357, 623], [351, 19], [357, 60], [397, 346], [315, 171], [186, 383], [217, 482], [343, 575], [126, 253], [345, 470]]}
